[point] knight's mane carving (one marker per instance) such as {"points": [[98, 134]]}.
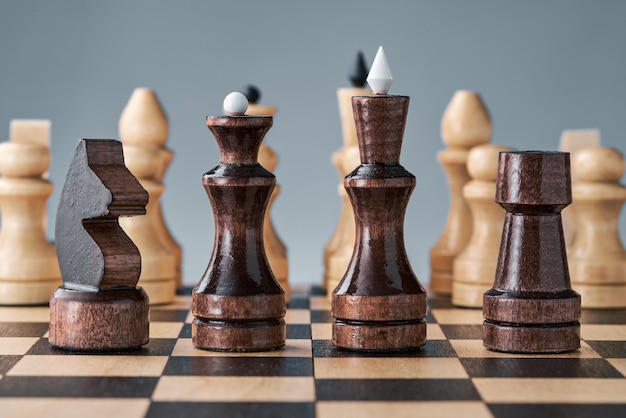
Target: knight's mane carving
{"points": [[93, 250]]}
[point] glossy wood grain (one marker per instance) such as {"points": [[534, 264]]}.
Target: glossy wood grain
{"points": [[531, 307], [238, 304], [379, 304]]}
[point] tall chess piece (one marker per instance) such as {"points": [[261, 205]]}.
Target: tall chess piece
{"points": [[475, 267], [532, 307], [32, 131], [338, 250], [29, 270], [465, 124], [238, 305], [573, 140], [99, 307], [274, 248], [379, 304], [143, 129], [597, 259]]}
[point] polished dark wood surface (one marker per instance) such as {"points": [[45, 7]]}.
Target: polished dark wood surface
{"points": [[238, 305], [532, 307], [379, 304]]}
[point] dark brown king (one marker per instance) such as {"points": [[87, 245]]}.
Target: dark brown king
{"points": [[379, 304], [238, 305], [531, 307]]}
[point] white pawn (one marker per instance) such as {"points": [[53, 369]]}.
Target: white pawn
{"points": [[475, 267], [275, 250], [32, 131], [571, 141], [597, 259], [143, 130], [465, 124], [339, 259], [29, 270], [338, 250]]}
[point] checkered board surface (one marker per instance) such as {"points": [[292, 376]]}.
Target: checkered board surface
{"points": [[452, 376]]}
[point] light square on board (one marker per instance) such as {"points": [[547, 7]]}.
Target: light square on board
{"points": [[89, 365], [458, 316], [432, 409], [74, 407]]}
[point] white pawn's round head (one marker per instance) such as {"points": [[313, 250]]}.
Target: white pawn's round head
{"points": [[235, 104]]}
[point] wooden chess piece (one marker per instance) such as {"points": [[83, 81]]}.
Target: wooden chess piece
{"points": [[32, 131], [571, 141], [338, 250], [465, 124], [379, 304], [597, 259], [99, 307], [143, 129], [238, 305], [531, 307], [29, 270], [346, 160], [275, 250], [475, 267]]}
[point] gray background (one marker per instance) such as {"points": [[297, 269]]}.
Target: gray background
{"points": [[541, 67]]}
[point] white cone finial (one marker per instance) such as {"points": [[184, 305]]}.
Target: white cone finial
{"points": [[235, 104], [380, 78]]}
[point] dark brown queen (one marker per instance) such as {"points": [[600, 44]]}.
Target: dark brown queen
{"points": [[238, 305]]}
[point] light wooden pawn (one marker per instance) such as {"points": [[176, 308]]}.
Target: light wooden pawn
{"points": [[344, 235], [571, 141], [143, 123], [143, 130], [158, 265], [597, 259], [29, 270], [275, 249], [32, 131], [465, 124], [339, 260], [475, 267]]}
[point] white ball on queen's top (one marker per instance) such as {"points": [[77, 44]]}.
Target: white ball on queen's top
{"points": [[235, 104]]}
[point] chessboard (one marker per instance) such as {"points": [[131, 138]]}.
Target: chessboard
{"points": [[452, 375]]}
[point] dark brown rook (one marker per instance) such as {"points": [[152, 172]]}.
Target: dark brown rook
{"points": [[99, 307], [238, 305], [532, 307], [379, 304]]}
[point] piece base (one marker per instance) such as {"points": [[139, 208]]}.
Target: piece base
{"points": [[385, 336], [531, 308], [160, 292], [106, 320], [27, 292], [284, 284], [238, 336], [609, 296], [441, 282], [385, 308], [536, 339], [469, 295]]}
